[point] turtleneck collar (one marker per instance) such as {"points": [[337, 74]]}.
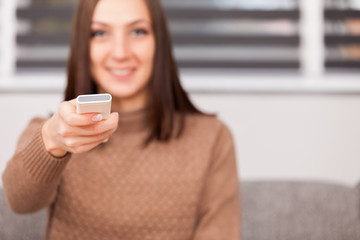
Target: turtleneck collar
{"points": [[134, 121]]}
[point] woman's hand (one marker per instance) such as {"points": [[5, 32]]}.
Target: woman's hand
{"points": [[67, 131]]}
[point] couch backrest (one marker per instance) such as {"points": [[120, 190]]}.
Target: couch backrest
{"points": [[300, 210], [270, 211]]}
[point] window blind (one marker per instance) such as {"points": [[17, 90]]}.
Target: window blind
{"points": [[238, 34], [241, 34], [43, 36], [342, 34]]}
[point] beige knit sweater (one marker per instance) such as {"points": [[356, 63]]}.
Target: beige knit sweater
{"points": [[180, 190]]}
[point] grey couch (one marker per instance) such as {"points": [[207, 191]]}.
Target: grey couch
{"points": [[270, 211]]}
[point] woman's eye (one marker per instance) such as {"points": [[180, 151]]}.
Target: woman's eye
{"points": [[138, 32], [98, 34]]}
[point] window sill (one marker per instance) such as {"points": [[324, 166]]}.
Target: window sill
{"points": [[211, 81]]}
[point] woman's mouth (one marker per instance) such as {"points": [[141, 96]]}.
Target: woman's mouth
{"points": [[121, 73]]}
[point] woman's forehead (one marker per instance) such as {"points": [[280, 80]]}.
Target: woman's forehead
{"points": [[121, 11]]}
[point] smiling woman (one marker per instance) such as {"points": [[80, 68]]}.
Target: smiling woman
{"points": [[148, 73], [157, 168]]}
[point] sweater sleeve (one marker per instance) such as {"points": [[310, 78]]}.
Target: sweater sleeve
{"points": [[220, 204], [32, 175]]}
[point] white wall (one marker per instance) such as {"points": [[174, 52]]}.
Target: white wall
{"points": [[278, 136]]}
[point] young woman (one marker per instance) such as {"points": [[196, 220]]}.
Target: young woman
{"points": [[156, 169]]}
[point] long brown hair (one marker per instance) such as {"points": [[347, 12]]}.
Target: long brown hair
{"points": [[169, 102]]}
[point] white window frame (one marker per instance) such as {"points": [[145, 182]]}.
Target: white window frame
{"points": [[312, 77], [7, 40]]}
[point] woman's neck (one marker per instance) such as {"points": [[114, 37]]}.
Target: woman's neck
{"points": [[125, 106], [129, 104]]}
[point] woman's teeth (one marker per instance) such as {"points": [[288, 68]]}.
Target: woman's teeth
{"points": [[120, 73]]}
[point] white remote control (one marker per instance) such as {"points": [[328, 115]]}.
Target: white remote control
{"points": [[94, 103]]}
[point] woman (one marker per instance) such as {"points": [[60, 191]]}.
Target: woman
{"points": [[156, 169]]}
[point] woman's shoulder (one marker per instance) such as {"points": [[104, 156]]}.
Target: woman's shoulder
{"points": [[35, 122], [30, 132], [33, 126], [207, 123]]}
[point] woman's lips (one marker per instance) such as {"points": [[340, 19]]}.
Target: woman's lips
{"points": [[121, 73]]}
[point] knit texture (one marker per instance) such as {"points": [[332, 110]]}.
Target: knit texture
{"points": [[183, 189]]}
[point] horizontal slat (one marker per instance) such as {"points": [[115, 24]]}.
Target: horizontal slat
{"points": [[331, 40], [235, 27], [230, 14], [181, 64], [343, 64], [236, 53], [239, 4], [335, 14], [66, 13], [43, 52], [41, 64], [44, 39], [40, 12], [248, 65], [265, 40]]}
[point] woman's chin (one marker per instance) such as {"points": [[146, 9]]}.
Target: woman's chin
{"points": [[122, 95]]}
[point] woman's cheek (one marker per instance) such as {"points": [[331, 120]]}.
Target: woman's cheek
{"points": [[97, 52]]}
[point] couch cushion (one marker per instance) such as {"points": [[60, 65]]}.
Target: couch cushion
{"points": [[300, 210], [20, 227]]}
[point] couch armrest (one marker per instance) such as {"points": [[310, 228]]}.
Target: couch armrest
{"points": [[20, 227]]}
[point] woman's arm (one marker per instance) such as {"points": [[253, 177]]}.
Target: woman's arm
{"points": [[32, 175], [219, 214]]}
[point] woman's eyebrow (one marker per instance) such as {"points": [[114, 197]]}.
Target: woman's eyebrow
{"points": [[99, 23], [139, 21]]}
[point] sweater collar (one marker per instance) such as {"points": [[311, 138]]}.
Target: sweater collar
{"points": [[134, 121]]}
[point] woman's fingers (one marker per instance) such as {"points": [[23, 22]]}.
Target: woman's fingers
{"points": [[73, 142], [85, 147], [82, 139], [68, 131], [102, 126], [90, 130], [84, 144], [67, 112]]}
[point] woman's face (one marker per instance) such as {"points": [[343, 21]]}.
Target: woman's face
{"points": [[122, 49]]}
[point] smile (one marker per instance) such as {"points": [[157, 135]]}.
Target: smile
{"points": [[121, 73]]}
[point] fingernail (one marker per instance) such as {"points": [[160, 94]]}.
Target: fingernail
{"points": [[97, 118], [106, 140], [117, 114]]}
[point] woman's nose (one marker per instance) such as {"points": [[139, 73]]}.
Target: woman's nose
{"points": [[120, 48]]}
